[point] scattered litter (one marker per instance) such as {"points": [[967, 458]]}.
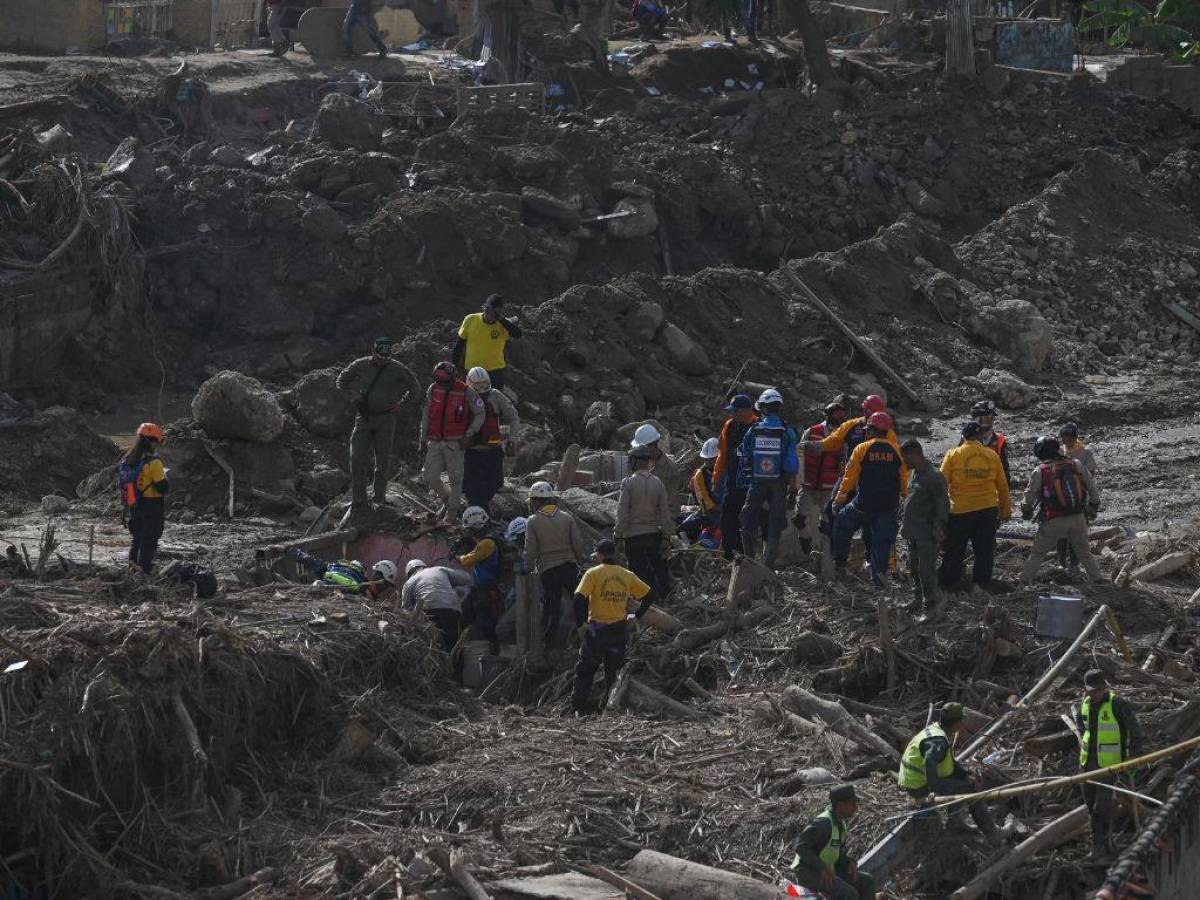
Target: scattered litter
{"points": [[707, 90], [709, 44], [652, 90], [16, 667], [729, 82], [752, 68], [415, 47], [555, 90]]}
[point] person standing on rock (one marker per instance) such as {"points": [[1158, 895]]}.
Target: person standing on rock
{"points": [[482, 338], [1064, 495], [602, 613], [553, 549], [769, 468], [926, 514], [377, 385], [869, 497], [1074, 448], [649, 437], [483, 468], [644, 523], [360, 11], [452, 416], [979, 502], [143, 484], [1111, 734], [822, 863], [984, 412], [730, 495], [818, 477]]}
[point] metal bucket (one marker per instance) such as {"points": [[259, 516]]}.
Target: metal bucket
{"points": [[473, 653], [1059, 617]]}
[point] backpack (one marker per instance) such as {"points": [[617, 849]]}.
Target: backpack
{"points": [[202, 580], [766, 454], [1064, 492], [127, 482]]}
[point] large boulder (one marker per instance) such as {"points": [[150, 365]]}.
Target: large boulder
{"points": [[686, 355], [1017, 329], [534, 449], [320, 406], [233, 405], [643, 321], [348, 123], [1004, 388]]}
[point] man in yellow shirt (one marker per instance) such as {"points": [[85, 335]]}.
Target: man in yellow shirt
{"points": [[979, 502], [601, 612], [482, 338]]}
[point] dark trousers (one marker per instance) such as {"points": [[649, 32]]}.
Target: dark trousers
{"points": [[448, 622], [644, 552], [359, 12], [860, 887], [497, 378], [731, 522], [923, 564], [370, 445], [772, 495], [483, 475], [601, 644], [879, 534], [146, 526], [961, 783], [979, 530], [562, 579], [482, 610], [1099, 802]]}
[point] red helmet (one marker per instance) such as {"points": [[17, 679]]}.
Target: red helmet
{"points": [[150, 430], [444, 371], [873, 404], [880, 421]]}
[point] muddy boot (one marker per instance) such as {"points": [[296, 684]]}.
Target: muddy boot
{"points": [[279, 48]]}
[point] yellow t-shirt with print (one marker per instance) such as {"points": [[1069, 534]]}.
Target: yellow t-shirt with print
{"points": [[608, 589], [485, 343]]}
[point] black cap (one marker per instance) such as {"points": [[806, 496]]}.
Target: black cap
{"points": [[971, 430], [912, 445], [1069, 430], [1094, 678], [739, 401], [606, 547], [950, 713], [834, 406], [383, 342], [842, 792], [495, 301]]}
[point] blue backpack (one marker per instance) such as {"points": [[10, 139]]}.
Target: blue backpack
{"points": [[127, 482]]}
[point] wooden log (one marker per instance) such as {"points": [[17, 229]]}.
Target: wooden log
{"points": [[1057, 832], [272, 551], [633, 890], [1154, 656], [660, 701], [451, 862], [189, 729], [570, 465], [789, 721], [691, 638], [885, 638], [617, 696], [672, 878], [854, 339], [1163, 566], [658, 618], [801, 701], [1045, 744], [745, 578]]}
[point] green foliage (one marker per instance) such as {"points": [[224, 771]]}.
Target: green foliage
{"points": [[1128, 22]]}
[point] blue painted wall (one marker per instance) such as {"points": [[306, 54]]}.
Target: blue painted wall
{"points": [[1035, 44]]}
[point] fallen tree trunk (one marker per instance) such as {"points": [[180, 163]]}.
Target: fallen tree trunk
{"points": [[451, 862], [1058, 831], [672, 878], [801, 701], [1163, 567], [692, 638], [791, 723], [658, 619], [657, 700]]}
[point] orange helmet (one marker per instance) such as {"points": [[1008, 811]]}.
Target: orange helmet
{"points": [[150, 430], [873, 404], [880, 421]]}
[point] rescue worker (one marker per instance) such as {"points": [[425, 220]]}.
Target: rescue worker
{"points": [[851, 432], [644, 523], [377, 385], [1111, 734], [435, 591], [349, 575], [1074, 448], [729, 493], [822, 863], [452, 416], [482, 338], [984, 412], [553, 549], [280, 44], [707, 519], [1063, 494], [820, 474], [769, 469], [651, 17], [142, 482], [868, 498], [485, 557], [648, 436], [483, 466], [926, 514], [928, 768], [602, 613], [360, 12], [979, 502]]}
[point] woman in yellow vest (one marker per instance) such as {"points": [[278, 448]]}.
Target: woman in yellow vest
{"points": [[1111, 735], [142, 481], [928, 767], [822, 863]]}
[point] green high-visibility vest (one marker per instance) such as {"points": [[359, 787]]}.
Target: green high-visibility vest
{"points": [[1109, 746], [832, 851], [912, 764]]}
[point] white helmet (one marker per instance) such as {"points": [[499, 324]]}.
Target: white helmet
{"points": [[770, 395], [413, 566], [541, 490], [645, 434], [711, 449], [516, 528], [479, 376], [475, 517], [386, 569]]}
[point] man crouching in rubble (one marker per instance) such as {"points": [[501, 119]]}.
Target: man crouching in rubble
{"points": [[822, 863], [928, 767]]}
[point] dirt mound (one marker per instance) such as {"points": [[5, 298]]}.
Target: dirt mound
{"points": [[48, 451]]}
